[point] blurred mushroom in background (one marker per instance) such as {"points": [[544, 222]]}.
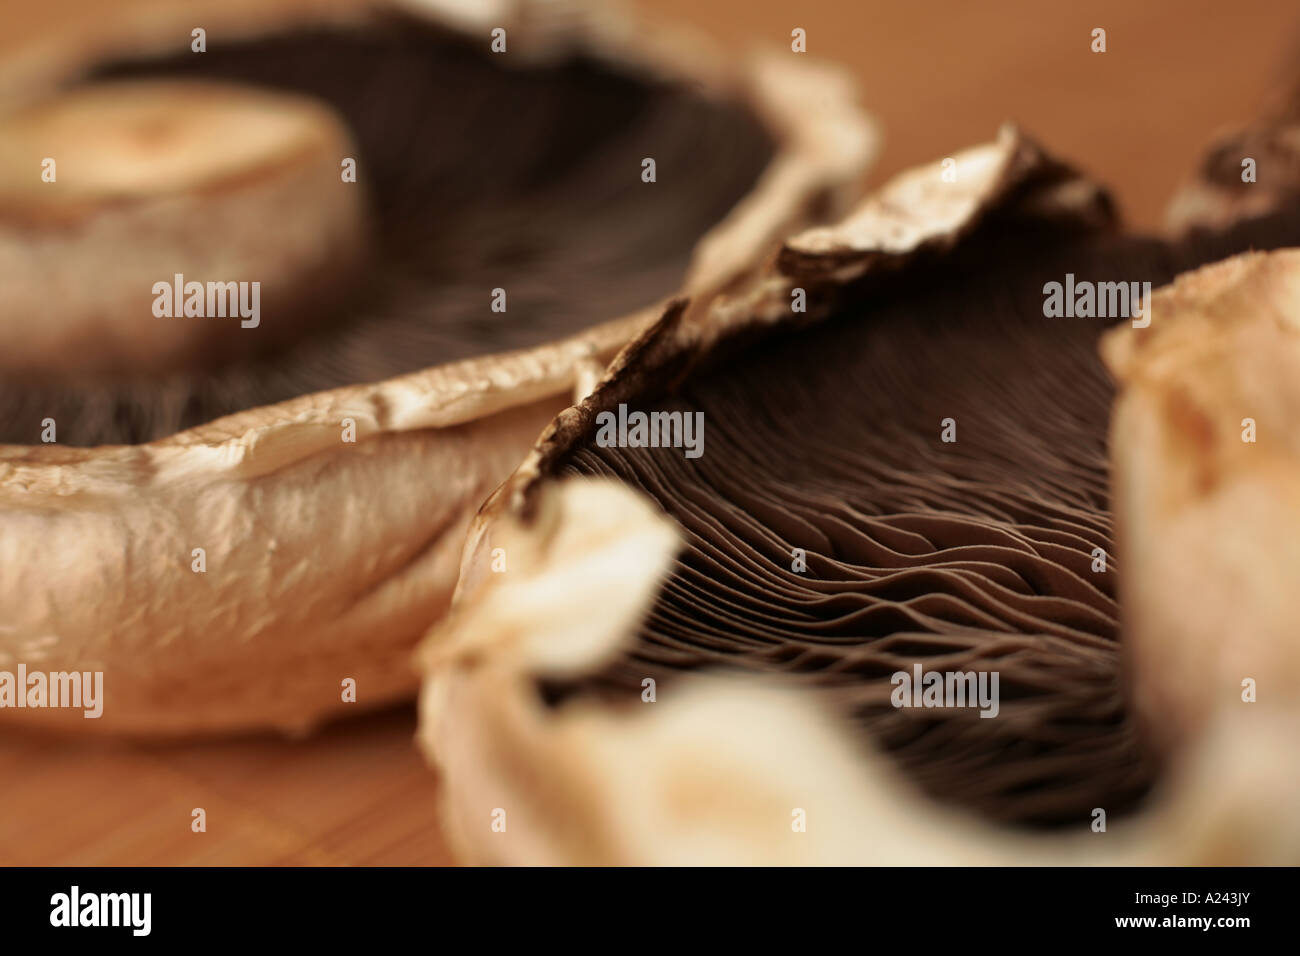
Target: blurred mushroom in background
{"points": [[300, 285]]}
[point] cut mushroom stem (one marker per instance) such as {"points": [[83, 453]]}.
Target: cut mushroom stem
{"points": [[148, 226]]}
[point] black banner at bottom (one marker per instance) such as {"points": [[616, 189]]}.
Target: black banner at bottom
{"points": [[335, 906]]}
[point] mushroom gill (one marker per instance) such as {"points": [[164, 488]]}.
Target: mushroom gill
{"points": [[914, 474], [831, 532]]}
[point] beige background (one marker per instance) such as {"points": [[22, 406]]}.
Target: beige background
{"points": [[939, 76], [942, 75]]}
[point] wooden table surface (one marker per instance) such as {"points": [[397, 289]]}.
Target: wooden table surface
{"points": [[939, 76], [355, 793]]}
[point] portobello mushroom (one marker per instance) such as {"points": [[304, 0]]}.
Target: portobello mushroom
{"points": [[284, 282], [718, 646]]}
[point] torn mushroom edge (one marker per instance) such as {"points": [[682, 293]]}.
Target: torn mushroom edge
{"points": [[595, 784], [1214, 197], [1181, 472]]}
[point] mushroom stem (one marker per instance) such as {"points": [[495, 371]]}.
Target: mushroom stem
{"points": [[111, 191]]}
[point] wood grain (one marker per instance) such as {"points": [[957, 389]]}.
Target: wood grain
{"points": [[355, 793]]}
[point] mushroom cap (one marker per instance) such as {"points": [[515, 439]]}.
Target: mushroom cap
{"points": [[327, 558], [725, 764]]}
